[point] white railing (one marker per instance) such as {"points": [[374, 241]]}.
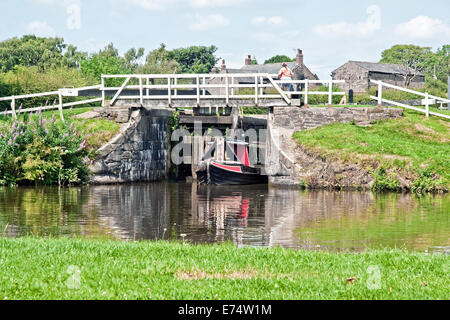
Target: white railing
{"points": [[64, 92], [330, 93], [429, 99], [210, 86]]}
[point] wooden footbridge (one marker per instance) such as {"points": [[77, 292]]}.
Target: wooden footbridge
{"points": [[182, 90], [200, 91]]}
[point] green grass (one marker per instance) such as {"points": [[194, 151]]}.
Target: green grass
{"points": [[408, 146], [101, 269]]}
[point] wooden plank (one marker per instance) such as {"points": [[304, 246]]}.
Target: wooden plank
{"points": [[120, 91], [220, 149], [226, 120], [411, 107], [277, 87]]}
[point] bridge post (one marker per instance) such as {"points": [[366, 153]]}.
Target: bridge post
{"points": [[380, 95], [330, 93], [306, 93], [448, 92], [13, 107], [103, 92], [60, 105], [141, 91]]}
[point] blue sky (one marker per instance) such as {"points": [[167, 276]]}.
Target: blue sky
{"points": [[329, 32]]}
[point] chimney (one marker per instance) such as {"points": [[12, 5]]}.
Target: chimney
{"points": [[248, 60], [299, 58], [223, 66]]}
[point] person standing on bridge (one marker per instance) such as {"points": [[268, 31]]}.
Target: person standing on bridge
{"points": [[285, 74]]}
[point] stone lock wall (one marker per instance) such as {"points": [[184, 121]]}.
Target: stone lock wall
{"points": [[298, 119], [140, 153]]}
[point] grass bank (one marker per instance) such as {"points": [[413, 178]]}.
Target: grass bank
{"points": [[413, 148], [101, 269]]}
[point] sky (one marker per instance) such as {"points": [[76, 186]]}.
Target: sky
{"points": [[329, 32]]}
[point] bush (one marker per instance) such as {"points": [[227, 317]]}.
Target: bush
{"points": [[25, 80], [384, 182], [42, 151], [323, 99], [427, 181]]}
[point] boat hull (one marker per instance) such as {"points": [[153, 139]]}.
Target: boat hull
{"points": [[226, 174]]}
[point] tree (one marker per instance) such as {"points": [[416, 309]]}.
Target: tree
{"points": [[44, 53], [254, 61], [132, 57], [279, 59], [195, 59], [106, 61], [441, 63], [159, 61], [414, 58]]}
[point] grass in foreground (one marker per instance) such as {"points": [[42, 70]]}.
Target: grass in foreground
{"points": [[413, 145], [100, 269]]}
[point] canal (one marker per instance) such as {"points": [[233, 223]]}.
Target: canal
{"points": [[258, 216]]}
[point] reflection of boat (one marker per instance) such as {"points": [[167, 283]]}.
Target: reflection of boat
{"points": [[224, 172]]}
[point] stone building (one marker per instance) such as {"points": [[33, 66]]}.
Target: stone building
{"points": [[357, 75], [299, 70]]}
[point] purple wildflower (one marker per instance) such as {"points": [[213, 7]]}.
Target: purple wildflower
{"points": [[9, 142], [46, 103]]}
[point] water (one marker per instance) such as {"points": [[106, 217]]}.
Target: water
{"points": [[245, 215]]}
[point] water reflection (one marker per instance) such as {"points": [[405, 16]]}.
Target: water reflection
{"points": [[249, 215]]}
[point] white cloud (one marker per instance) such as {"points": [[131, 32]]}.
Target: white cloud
{"points": [[214, 3], [212, 21], [275, 20], [423, 27], [362, 29], [150, 4], [166, 4], [64, 3], [40, 28]]}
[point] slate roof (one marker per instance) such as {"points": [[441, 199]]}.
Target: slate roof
{"points": [[385, 68], [271, 68]]}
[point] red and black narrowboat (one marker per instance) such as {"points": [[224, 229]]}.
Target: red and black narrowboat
{"points": [[238, 172]]}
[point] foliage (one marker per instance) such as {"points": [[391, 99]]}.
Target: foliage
{"points": [[427, 182], [159, 61], [106, 61], [384, 181], [132, 57], [26, 80], [195, 59], [279, 59], [43, 53], [323, 99], [420, 59], [42, 151]]}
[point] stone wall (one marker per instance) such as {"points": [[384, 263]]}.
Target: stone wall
{"points": [[139, 153], [298, 119]]}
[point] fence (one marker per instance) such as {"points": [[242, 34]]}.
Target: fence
{"points": [[210, 86], [429, 99], [65, 92]]}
